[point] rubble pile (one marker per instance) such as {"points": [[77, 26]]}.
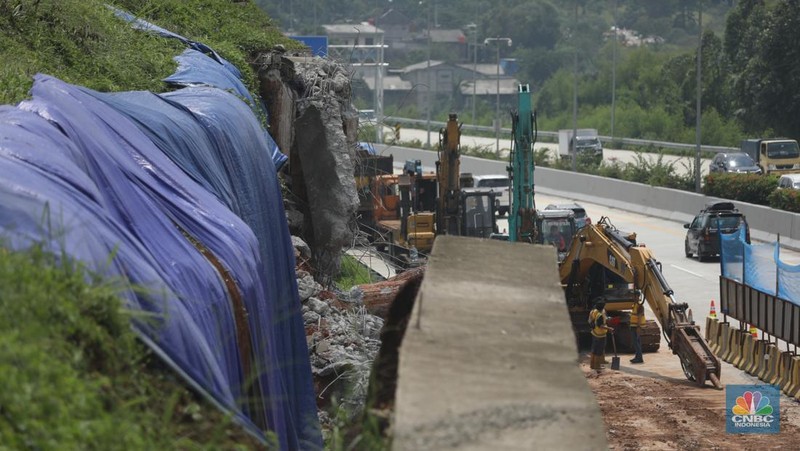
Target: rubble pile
{"points": [[343, 341]]}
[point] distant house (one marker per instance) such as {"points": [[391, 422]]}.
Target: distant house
{"points": [[438, 78]]}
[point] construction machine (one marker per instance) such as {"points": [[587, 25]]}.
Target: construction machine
{"points": [[463, 212], [403, 206], [605, 262], [522, 219]]}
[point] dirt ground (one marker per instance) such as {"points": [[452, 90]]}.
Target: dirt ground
{"points": [[652, 406]]}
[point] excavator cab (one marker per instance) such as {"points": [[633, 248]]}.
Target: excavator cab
{"points": [[556, 228], [478, 213]]}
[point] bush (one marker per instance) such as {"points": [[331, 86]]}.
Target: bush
{"points": [[785, 199], [750, 188]]}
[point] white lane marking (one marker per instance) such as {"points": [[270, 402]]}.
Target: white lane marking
{"points": [[686, 270]]}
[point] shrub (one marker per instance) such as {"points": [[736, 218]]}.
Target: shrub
{"points": [[751, 188], [785, 199]]}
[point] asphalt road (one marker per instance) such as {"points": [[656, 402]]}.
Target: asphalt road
{"points": [[682, 165], [694, 282]]}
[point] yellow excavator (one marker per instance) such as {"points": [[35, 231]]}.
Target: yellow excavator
{"points": [[603, 261]]}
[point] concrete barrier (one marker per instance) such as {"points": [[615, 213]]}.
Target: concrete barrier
{"points": [[716, 337], [783, 377], [489, 360], [748, 351], [731, 349], [770, 362], [758, 358], [724, 340], [794, 384], [745, 351]]}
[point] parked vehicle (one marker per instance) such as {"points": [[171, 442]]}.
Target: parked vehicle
{"points": [[736, 162], [702, 234], [498, 183], [789, 181], [774, 155], [581, 218]]}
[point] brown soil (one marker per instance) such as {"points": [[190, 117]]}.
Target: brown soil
{"points": [[652, 406]]}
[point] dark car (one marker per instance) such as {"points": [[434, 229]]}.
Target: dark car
{"points": [[581, 219], [737, 162], [702, 234]]}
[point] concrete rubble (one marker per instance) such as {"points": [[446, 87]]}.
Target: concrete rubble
{"points": [[320, 140], [343, 339]]}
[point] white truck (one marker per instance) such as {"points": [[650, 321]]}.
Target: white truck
{"points": [[587, 144]]}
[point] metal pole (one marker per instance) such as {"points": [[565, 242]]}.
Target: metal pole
{"points": [[573, 150], [474, 63], [614, 73], [699, 97], [378, 81], [497, 108], [428, 96]]}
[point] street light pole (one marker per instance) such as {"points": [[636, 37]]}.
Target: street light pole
{"points": [[428, 89], [497, 41], [699, 97]]}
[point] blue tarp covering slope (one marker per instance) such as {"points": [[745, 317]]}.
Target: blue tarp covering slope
{"points": [[200, 65], [214, 137], [112, 187]]}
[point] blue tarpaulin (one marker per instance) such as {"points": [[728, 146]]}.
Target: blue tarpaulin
{"points": [[177, 212], [759, 266], [200, 65]]}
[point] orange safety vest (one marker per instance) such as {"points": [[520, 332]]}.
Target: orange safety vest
{"points": [[637, 315], [597, 331]]}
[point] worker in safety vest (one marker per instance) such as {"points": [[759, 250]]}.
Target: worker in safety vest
{"points": [[598, 321], [637, 322]]}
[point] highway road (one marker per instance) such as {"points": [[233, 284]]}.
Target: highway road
{"points": [[681, 164], [694, 282]]}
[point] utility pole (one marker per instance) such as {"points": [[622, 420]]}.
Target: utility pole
{"points": [[428, 96], [497, 41], [697, 126], [573, 147], [378, 79], [614, 73]]}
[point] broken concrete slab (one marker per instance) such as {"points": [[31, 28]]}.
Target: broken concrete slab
{"points": [[489, 359]]}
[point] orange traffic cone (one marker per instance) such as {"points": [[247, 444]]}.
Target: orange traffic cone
{"points": [[753, 331], [713, 312]]}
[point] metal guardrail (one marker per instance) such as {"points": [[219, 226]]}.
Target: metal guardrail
{"points": [[554, 135]]}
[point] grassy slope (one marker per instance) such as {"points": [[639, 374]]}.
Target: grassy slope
{"points": [[73, 376], [83, 43]]}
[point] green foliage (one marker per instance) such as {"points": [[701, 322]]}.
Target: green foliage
{"points": [[82, 42], [785, 199], [352, 273], [751, 188], [75, 377]]}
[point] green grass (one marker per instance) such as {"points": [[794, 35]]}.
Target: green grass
{"points": [[352, 273], [82, 42], [74, 376]]}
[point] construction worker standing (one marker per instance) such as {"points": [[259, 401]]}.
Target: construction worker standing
{"points": [[637, 322], [598, 321]]}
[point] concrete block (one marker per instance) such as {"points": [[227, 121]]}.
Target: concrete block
{"points": [[746, 352], [724, 340], [770, 362], [794, 384], [784, 374]]}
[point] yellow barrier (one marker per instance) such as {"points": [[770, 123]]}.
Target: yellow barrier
{"points": [[770, 362], [784, 370], [757, 357], [733, 345], [724, 340], [746, 354], [794, 376], [709, 321], [794, 385], [714, 336]]}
